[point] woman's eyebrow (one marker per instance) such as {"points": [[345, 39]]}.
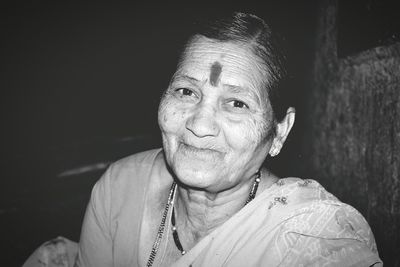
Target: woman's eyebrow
{"points": [[236, 89], [186, 77]]}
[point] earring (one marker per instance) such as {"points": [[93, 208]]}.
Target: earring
{"points": [[275, 151]]}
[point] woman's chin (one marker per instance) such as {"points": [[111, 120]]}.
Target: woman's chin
{"points": [[196, 166], [201, 179]]}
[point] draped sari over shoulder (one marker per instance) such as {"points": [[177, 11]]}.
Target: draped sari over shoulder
{"points": [[293, 223]]}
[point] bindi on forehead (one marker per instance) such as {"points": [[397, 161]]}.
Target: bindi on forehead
{"points": [[215, 73]]}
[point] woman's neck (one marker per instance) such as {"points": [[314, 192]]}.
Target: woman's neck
{"points": [[200, 212]]}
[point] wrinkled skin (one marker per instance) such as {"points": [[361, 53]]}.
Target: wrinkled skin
{"points": [[215, 117]]}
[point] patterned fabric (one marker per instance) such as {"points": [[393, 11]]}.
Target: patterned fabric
{"points": [[294, 223]]}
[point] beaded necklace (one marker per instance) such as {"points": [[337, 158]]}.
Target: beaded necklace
{"points": [[170, 203]]}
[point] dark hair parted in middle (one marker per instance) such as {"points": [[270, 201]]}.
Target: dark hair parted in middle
{"points": [[252, 31]]}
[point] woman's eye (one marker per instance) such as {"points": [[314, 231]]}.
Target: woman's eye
{"points": [[238, 104], [185, 91]]}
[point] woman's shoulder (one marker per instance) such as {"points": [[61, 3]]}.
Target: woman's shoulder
{"points": [[315, 205], [309, 199], [305, 190], [130, 172], [142, 159], [135, 165], [322, 219]]}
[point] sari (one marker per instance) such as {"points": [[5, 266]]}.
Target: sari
{"points": [[293, 223]]}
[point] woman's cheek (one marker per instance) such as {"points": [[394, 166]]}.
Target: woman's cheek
{"points": [[170, 116], [245, 134], [163, 114]]}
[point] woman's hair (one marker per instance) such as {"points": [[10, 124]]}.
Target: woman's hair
{"points": [[257, 35]]}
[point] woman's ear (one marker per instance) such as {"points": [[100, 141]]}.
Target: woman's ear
{"points": [[282, 131]]}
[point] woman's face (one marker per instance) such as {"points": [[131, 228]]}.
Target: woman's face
{"points": [[215, 117]]}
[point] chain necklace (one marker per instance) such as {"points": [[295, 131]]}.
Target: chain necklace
{"points": [[170, 203]]}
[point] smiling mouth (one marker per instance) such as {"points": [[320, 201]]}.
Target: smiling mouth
{"points": [[200, 151]]}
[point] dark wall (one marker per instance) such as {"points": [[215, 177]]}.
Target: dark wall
{"points": [[71, 72], [80, 87], [354, 129]]}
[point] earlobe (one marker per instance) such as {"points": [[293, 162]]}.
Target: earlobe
{"points": [[282, 131]]}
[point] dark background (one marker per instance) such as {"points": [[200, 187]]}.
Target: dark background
{"points": [[81, 83], [80, 86], [72, 73]]}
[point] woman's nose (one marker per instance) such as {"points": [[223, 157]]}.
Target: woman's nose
{"points": [[202, 123]]}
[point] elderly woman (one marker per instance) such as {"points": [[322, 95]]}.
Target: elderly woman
{"points": [[205, 198]]}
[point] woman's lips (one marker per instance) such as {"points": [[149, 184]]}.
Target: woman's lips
{"points": [[200, 151]]}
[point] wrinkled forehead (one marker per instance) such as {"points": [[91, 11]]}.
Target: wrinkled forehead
{"points": [[218, 62]]}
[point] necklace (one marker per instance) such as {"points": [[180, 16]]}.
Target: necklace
{"points": [[170, 203]]}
